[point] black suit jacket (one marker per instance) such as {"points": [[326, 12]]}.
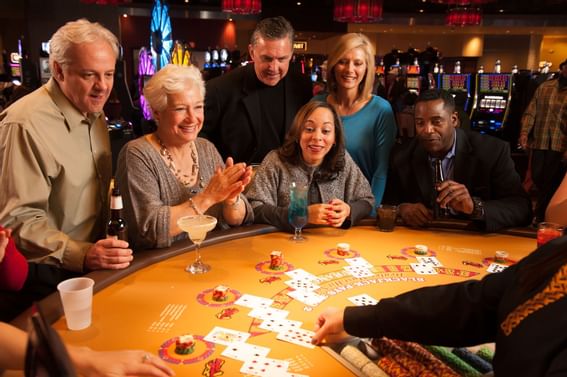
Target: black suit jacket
{"points": [[232, 112], [482, 163]]}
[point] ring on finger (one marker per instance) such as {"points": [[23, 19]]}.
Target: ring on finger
{"points": [[146, 358]]}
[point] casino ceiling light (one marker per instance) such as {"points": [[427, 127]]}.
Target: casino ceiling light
{"points": [[358, 11], [463, 16], [242, 6], [104, 2], [462, 3]]}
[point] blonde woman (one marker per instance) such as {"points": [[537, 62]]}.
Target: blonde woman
{"points": [[368, 120]]}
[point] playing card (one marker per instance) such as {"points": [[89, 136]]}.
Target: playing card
{"points": [[359, 261], [279, 324], [244, 351], [306, 297], [251, 301], [429, 260], [268, 313], [302, 285], [226, 336], [264, 366], [301, 274], [363, 300], [423, 269], [300, 337], [496, 267], [358, 271], [286, 374]]}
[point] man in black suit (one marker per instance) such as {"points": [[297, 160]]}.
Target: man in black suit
{"points": [[249, 110], [480, 183]]}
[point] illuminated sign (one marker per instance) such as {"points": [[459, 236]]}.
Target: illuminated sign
{"points": [[300, 45]]}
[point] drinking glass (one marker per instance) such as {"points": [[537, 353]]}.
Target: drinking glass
{"points": [[197, 227], [297, 212]]}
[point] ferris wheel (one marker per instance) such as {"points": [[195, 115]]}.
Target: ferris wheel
{"points": [[160, 40], [146, 69]]}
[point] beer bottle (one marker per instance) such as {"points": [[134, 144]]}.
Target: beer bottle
{"points": [[116, 227], [438, 212]]}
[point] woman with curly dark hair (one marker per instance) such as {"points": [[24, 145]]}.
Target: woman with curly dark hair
{"points": [[313, 155]]}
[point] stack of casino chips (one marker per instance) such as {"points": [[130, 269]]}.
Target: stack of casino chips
{"points": [[473, 360], [360, 361], [454, 361]]}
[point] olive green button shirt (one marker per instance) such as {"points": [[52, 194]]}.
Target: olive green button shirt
{"points": [[54, 177]]}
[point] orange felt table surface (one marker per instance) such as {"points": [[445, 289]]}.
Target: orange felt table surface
{"points": [[155, 304]]}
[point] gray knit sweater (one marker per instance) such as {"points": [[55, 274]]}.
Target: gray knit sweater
{"points": [[149, 189], [269, 191]]}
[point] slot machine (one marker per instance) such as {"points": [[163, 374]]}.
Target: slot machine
{"points": [[413, 77], [491, 105], [460, 86]]}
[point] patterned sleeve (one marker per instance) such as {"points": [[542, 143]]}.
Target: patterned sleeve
{"points": [[263, 193]]}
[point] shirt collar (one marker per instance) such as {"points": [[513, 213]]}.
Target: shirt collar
{"points": [[72, 115], [451, 152]]}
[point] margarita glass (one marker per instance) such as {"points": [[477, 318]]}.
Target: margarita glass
{"points": [[197, 227]]}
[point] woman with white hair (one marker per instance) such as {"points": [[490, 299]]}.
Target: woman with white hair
{"points": [[368, 120], [172, 172]]}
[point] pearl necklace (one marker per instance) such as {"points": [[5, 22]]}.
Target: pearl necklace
{"points": [[183, 178]]}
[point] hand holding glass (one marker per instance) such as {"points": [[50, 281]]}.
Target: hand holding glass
{"points": [[297, 211], [197, 227]]}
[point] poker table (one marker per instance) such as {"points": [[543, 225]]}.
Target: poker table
{"points": [[149, 304]]}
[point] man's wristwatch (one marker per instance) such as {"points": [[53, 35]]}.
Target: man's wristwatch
{"points": [[478, 209]]}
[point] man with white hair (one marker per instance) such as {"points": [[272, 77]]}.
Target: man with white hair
{"points": [[56, 163]]}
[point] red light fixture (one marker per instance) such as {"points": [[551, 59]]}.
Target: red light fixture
{"points": [[104, 2], [462, 3], [463, 17], [358, 11], [242, 6]]}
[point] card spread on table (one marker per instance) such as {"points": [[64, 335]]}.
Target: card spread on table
{"points": [[363, 300], [302, 285], [308, 298], [429, 260], [359, 261], [423, 269], [251, 301], [359, 271], [496, 267], [279, 324], [301, 274], [264, 366], [222, 335], [244, 351], [300, 337], [268, 313]]}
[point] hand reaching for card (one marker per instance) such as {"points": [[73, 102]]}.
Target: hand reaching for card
{"points": [[329, 327]]}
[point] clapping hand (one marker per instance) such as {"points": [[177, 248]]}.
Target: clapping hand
{"points": [[227, 183]]}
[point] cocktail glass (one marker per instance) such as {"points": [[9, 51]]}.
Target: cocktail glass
{"points": [[297, 211], [197, 227]]}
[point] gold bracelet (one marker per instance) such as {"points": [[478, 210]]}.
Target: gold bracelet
{"points": [[194, 207]]}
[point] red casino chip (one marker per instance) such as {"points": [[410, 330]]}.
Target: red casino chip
{"points": [[264, 267], [333, 253], [206, 298], [203, 350]]}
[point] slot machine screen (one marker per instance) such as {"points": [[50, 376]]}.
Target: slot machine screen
{"points": [[455, 83], [494, 83]]}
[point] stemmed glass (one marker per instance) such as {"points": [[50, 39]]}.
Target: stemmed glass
{"points": [[197, 227], [297, 211]]}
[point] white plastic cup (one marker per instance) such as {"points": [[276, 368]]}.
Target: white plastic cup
{"points": [[77, 299]]}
